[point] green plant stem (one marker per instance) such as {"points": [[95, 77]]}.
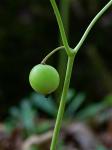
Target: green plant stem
{"points": [[51, 53], [71, 55], [62, 60], [61, 27], [91, 26], [62, 103]]}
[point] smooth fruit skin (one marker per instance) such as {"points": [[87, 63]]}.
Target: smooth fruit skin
{"points": [[44, 79]]}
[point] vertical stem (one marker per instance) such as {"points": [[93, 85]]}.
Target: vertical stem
{"points": [[64, 10], [62, 103], [61, 27]]}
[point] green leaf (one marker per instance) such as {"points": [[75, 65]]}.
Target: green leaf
{"points": [[70, 95], [14, 112], [45, 104], [27, 115], [34, 148], [75, 104], [43, 127], [101, 147], [108, 100], [10, 124], [90, 111]]}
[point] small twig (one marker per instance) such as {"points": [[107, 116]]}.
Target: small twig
{"points": [[36, 140]]}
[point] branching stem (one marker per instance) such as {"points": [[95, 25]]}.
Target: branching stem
{"points": [[97, 17], [61, 27], [71, 56]]}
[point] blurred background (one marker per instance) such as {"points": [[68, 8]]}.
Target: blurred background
{"points": [[28, 32]]}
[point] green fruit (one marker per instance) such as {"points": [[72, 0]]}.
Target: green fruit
{"points": [[44, 79]]}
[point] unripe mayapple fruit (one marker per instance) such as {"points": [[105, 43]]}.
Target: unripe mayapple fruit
{"points": [[44, 78]]}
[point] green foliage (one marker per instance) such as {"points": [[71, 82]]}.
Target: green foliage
{"points": [[23, 115], [34, 148], [43, 127], [75, 104], [101, 147], [95, 108], [90, 111], [47, 105], [28, 112], [28, 115]]}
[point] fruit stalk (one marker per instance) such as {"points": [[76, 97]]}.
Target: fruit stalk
{"points": [[51, 53]]}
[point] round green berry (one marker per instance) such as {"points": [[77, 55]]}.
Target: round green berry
{"points": [[44, 79]]}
